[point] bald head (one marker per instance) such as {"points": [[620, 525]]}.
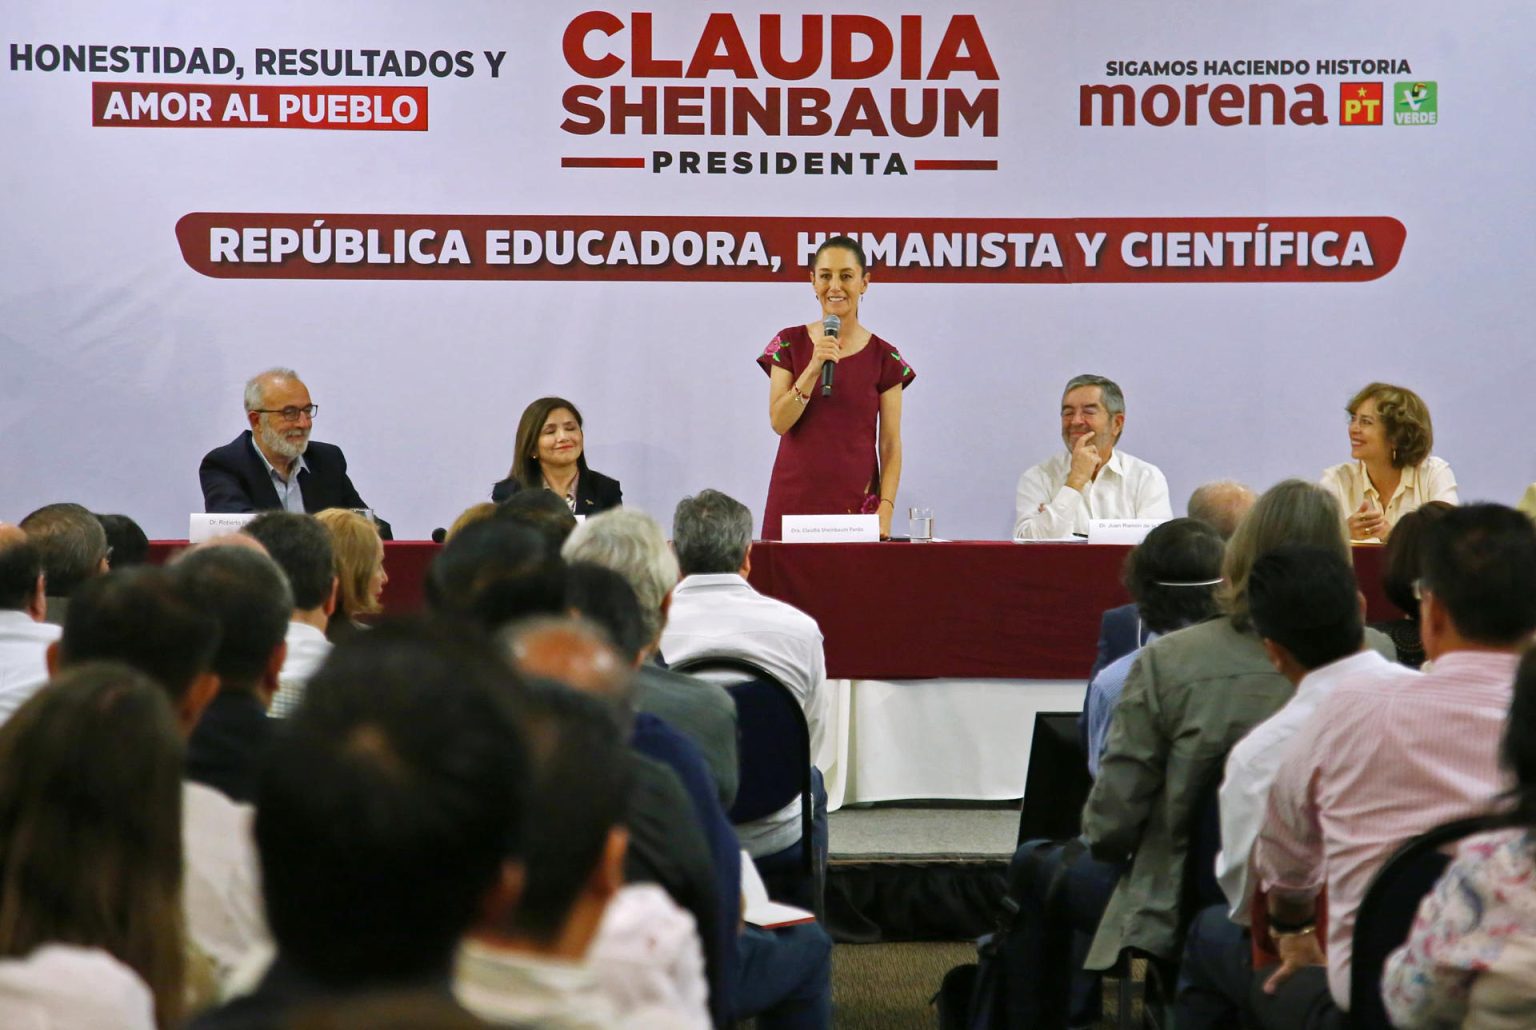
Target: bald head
{"points": [[21, 573], [572, 651], [237, 539], [1221, 504]]}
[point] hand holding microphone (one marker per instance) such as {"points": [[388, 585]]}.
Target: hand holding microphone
{"points": [[829, 352]]}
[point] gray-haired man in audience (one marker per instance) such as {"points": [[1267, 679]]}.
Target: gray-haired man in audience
{"points": [[74, 548]]}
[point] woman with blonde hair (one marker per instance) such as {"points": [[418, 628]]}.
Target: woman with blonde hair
{"points": [[1393, 473], [360, 575], [91, 924]]}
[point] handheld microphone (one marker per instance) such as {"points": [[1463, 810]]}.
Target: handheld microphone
{"points": [[831, 326]]}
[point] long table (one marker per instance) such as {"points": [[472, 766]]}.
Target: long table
{"points": [[940, 654]]}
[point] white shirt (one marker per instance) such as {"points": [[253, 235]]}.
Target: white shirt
{"points": [[721, 614], [1125, 488], [1254, 760], [222, 887], [307, 648], [23, 658], [647, 953], [65, 987], [289, 494], [1430, 480]]}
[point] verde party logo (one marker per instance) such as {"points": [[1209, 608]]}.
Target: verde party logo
{"points": [[1415, 103]]}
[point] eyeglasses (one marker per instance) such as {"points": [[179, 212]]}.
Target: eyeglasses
{"points": [[290, 414]]}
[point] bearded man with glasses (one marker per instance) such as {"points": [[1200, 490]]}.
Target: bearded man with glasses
{"points": [[274, 465]]}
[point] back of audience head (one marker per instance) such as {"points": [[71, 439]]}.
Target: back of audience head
{"points": [[248, 594], [126, 542], [630, 543], [302, 549], [390, 804], [359, 554], [138, 617], [21, 573], [574, 652], [90, 850], [1290, 512], [711, 533], [607, 599], [1401, 561], [1478, 580], [542, 511], [574, 861], [1174, 573], [1306, 606], [493, 573], [468, 517], [72, 543], [1519, 748], [1221, 504]]}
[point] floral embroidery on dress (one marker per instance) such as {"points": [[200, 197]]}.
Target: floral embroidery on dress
{"points": [[775, 345], [906, 369]]}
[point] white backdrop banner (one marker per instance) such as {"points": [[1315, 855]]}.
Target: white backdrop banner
{"points": [[1242, 214]]}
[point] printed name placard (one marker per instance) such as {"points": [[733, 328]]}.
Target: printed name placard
{"points": [[831, 529], [204, 526], [1120, 531]]}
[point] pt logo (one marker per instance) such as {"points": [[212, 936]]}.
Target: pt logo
{"points": [[1415, 103], [1360, 103]]}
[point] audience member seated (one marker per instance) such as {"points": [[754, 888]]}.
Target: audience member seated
{"points": [[716, 613], [302, 549], [1092, 478], [360, 576], [540, 510], [24, 636], [249, 596], [493, 573], [137, 616], [527, 960], [391, 813], [1189, 697], [1220, 505], [127, 545], [1481, 916], [1172, 575], [631, 543], [74, 548], [551, 455], [468, 517], [1380, 762], [1392, 471], [274, 465], [1399, 572], [1306, 607], [90, 929]]}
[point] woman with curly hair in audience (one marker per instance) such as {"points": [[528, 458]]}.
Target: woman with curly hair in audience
{"points": [[360, 571], [91, 925]]}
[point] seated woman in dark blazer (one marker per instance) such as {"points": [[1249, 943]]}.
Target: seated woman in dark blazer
{"points": [[551, 455]]}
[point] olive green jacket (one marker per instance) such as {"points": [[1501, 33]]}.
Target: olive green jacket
{"points": [[1189, 697]]}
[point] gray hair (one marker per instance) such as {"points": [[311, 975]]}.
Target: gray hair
{"points": [[1221, 505], [1109, 390], [711, 533], [255, 387], [1290, 512], [578, 637], [71, 542], [630, 543]]}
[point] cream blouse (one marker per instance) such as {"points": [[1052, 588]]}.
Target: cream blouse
{"points": [[1430, 480]]}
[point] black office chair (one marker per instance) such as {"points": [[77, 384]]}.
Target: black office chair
{"points": [[1057, 784], [1386, 914], [774, 758]]}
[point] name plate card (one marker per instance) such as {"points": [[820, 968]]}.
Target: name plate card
{"points": [[205, 526], [1120, 531], [831, 529]]}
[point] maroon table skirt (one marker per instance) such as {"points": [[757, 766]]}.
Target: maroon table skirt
{"points": [[918, 611]]}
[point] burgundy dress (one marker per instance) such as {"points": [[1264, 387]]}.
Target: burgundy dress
{"points": [[828, 462]]}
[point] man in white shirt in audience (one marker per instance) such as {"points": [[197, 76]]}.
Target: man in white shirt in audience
{"points": [[74, 549], [24, 636], [1091, 479], [301, 546]]}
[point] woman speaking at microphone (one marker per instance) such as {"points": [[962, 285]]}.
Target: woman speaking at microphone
{"points": [[839, 451]]}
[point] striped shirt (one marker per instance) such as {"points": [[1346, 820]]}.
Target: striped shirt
{"points": [[1377, 764]]}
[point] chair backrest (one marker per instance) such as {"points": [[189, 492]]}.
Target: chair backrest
{"points": [[774, 741], [1386, 913], [1057, 784]]}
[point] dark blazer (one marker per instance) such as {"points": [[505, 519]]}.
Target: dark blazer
{"points": [[235, 479], [595, 492], [229, 744], [1120, 633]]}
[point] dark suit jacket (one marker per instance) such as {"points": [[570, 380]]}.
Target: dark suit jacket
{"points": [[229, 744], [595, 492], [1120, 633], [235, 479]]}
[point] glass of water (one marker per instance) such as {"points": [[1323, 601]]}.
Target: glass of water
{"points": [[920, 525]]}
